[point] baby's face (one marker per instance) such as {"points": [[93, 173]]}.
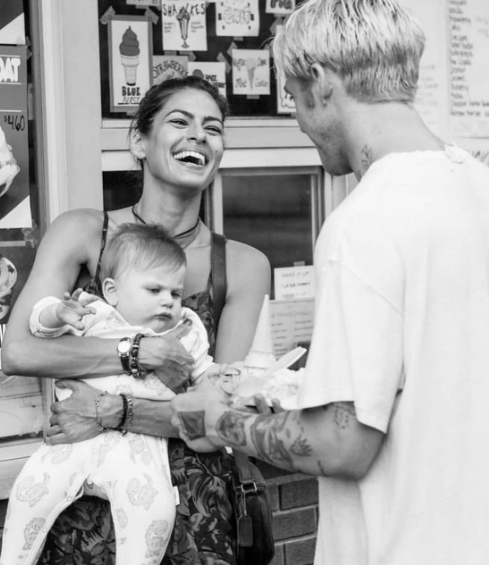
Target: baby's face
{"points": [[151, 297]]}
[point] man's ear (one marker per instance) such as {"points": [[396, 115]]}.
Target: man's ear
{"points": [[136, 145], [109, 290], [323, 83]]}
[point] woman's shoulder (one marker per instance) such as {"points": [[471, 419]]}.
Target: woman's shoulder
{"points": [[237, 252], [89, 218]]}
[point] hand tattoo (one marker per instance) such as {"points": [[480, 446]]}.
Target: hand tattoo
{"points": [[231, 427], [193, 423]]}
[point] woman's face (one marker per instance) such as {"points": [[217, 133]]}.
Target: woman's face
{"points": [[185, 145]]}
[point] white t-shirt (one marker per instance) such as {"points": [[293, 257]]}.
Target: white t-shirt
{"points": [[402, 330]]}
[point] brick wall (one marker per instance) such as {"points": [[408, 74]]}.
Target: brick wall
{"points": [[295, 515]]}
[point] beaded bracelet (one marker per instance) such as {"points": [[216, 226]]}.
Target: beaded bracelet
{"points": [[130, 413], [125, 405], [137, 371], [97, 415]]}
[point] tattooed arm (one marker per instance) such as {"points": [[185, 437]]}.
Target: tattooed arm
{"points": [[327, 440]]}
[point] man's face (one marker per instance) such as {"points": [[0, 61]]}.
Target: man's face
{"points": [[319, 121]]}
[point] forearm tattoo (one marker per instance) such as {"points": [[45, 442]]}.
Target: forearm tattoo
{"points": [[193, 423]]}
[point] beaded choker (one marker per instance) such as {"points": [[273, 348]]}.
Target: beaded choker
{"points": [[184, 239]]}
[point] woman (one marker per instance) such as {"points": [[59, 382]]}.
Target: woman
{"points": [[178, 138]]}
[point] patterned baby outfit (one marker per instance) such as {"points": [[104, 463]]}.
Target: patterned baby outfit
{"points": [[131, 471]]}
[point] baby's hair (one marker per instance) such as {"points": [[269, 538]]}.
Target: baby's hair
{"points": [[140, 247]]}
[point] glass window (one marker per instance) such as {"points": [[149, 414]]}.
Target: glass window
{"points": [[275, 211]]}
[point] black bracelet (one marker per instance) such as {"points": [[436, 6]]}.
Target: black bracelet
{"points": [[125, 406], [137, 371]]}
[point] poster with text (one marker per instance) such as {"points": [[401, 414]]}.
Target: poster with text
{"points": [[143, 3], [215, 73], [183, 25], [15, 209], [280, 7], [251, 71], [169, 66], [237, 18], [130, 61]]}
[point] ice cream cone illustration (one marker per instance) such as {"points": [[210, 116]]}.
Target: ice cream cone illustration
{"points": [[183, 18], [261, 356], [129, 49], [250, 67], [8, 164]]}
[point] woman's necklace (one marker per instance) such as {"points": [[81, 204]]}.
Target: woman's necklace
{"points": [[184, 239]]}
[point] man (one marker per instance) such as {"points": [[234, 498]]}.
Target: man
{"points": [[394, 416]]}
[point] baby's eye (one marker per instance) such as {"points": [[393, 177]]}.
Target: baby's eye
{"points": [[176, 294], [154, 290]]}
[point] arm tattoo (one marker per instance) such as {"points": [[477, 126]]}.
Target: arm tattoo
{"points": [[343, 414], [231, 427], [193, 423], [366, 159]]}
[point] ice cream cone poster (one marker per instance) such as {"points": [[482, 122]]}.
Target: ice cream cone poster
{"points": [[215, 73], [237, 18], [251, 71], [130, 60], [169, 66], [183, 25], [280, 7]]}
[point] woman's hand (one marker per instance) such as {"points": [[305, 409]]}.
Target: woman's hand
{"points": [[73, 419], [167, 356]]}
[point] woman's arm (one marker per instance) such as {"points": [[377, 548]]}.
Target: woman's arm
{"points": [[69, 243], [248, 277], [73, 240]]}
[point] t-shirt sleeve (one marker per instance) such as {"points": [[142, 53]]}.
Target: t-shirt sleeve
{"points": [[356, 348]]}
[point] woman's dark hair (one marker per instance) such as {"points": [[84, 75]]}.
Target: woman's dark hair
{"points": [[157, 95]]}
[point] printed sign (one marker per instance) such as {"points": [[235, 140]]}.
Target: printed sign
{"points": [[15, 209], [285, 102], [251, 71], [130, 48], [294, 282], [184, 26], [237, 18], [169, 66], [215, 73], [280, 6], [152, 3], [292, 323]]}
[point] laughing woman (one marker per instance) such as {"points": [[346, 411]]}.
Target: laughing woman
{"points": [[177, 136]]}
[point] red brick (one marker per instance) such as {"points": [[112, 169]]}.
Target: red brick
{"points": [[278, 558], [294, 523], [300, 493]]}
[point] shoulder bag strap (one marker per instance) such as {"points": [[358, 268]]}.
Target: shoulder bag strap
{"points": [[218, 274]]}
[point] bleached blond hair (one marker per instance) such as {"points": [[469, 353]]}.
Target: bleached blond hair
{"points": [[374, 45]]}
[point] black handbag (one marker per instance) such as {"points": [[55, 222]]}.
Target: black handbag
{"points": [[249, 492], [252, 510]]}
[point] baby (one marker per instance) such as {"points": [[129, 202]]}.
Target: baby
{"points": [[143, 272]]}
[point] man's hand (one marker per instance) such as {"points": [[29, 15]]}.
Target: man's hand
{"points": [[168, 358], [195, 415]]}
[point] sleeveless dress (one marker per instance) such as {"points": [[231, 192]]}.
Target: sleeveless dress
{"points": [[204, 531]]}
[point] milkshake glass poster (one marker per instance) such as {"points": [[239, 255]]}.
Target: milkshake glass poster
{"points": [[130, 48], [15, 207], [184, 25]]}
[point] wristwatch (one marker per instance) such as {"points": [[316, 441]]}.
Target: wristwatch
{"points": [[123, 348]]}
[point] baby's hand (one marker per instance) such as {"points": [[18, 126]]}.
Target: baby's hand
{"points": [[72, 309]]}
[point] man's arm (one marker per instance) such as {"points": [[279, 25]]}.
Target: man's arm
{"points": [[322, 441]]}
